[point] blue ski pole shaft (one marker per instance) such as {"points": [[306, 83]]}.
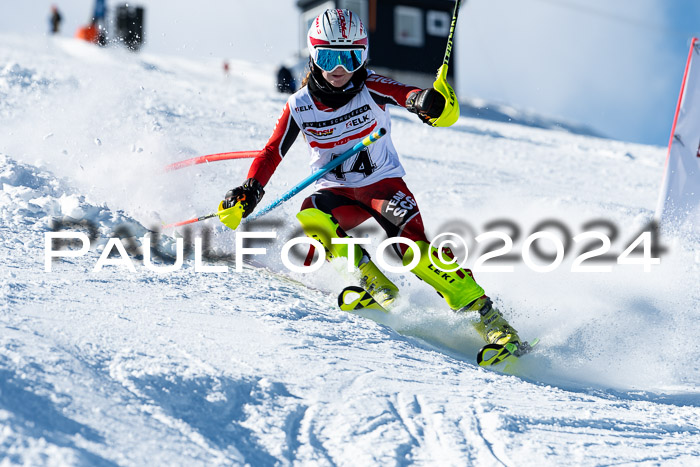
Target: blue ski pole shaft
{"points": [[319, 173]]}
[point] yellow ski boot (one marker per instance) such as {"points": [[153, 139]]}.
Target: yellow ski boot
{"points": [[376, 283], [492, 327]]}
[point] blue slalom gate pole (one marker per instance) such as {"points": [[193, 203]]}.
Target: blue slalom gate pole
{"points": [[319, 173]]}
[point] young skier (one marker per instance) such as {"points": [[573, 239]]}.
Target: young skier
{"points": [[341, 103]]}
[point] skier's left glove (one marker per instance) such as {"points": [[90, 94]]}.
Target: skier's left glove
{"points": [[249, 195], [427, 104]]}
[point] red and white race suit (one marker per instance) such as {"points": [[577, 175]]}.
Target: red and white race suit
{"points": [[369, 184], [330, 132]]}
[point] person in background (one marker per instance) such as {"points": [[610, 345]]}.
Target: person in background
{"points": [[99, 20], [341, 102], [285, 80], [55, 20]]}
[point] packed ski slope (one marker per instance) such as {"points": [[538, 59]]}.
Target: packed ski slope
{"points": [[258, 366]]}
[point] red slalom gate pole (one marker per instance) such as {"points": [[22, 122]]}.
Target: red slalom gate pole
{"points": [[211, 158]]}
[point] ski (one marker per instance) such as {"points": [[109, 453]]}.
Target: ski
{"points": [[494, 354], [354, 298]]}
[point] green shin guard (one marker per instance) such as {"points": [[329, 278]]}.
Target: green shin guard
{"points": [[458, 288], [322, 227], [462, 293]]}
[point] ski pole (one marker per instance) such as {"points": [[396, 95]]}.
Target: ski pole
{"points": [[319, 173], [236, 211], [451, 113], [296, 189], [210, 158], [190, 221], [448, 49]]}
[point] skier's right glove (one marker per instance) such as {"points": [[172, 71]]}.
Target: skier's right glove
{"points": [[249, 195], [427, 104]]}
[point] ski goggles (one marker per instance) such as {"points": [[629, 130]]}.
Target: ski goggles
{"points": [[329, 59]]}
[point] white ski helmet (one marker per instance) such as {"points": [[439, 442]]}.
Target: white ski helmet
{"points": [[337, 38]]}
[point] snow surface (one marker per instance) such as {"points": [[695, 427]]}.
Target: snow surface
{"points": [[252, 367]]}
